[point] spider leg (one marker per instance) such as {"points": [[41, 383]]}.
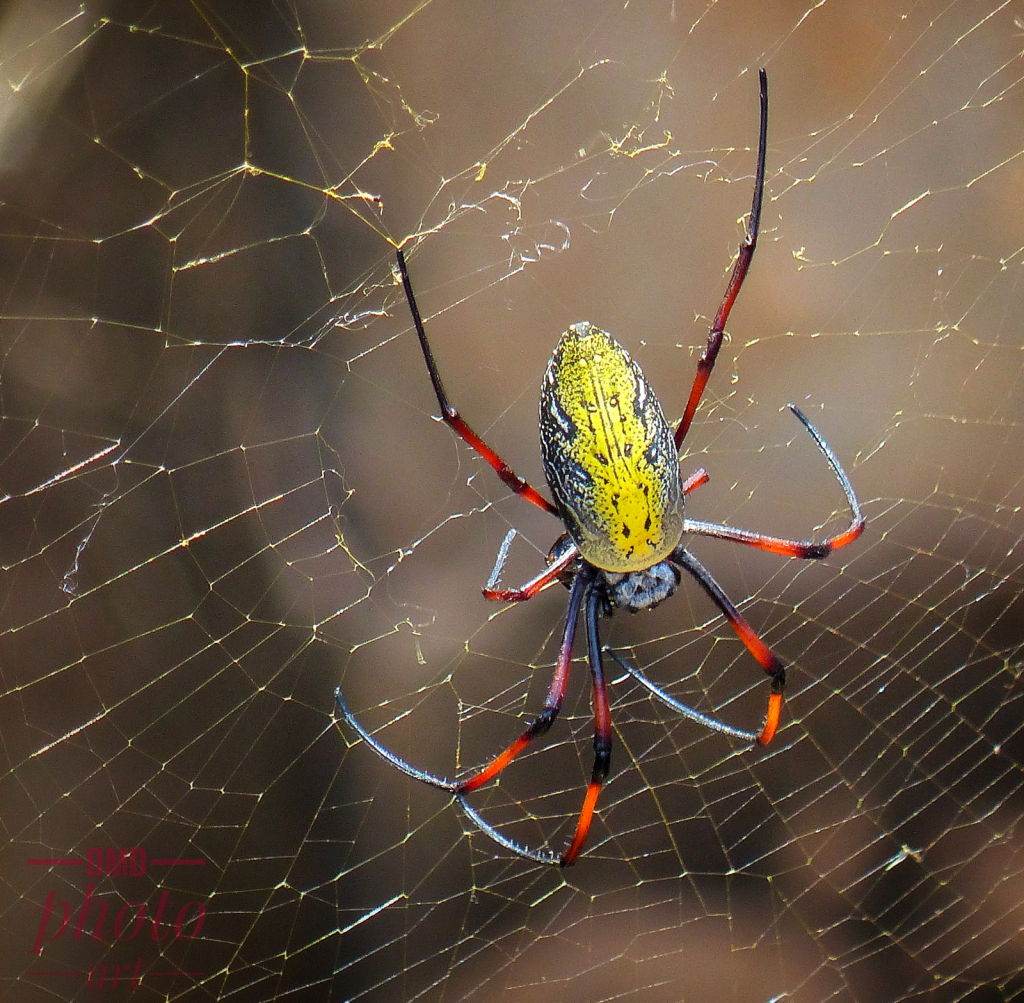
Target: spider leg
{"points": [[695, 480], [745, 633], [805, 549], [739, 273], [534, 585], [680, 708], [395, 760], [602, 731], [541, 856], [602, 716], [451, 417], [556, 692]]}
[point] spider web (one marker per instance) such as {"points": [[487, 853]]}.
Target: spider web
{"points": [[223, 494]]}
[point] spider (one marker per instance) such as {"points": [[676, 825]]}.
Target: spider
{"points": [[612, 465]]}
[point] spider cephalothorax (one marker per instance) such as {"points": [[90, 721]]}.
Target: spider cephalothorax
{"points": [[632, 590], [645, 589], [611, 462]]}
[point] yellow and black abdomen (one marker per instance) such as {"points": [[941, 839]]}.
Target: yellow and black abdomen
{"points": [[608, 453]]}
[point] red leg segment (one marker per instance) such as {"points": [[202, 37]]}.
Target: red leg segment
{"points": [[739, 273], [451, 416], [534, 585], [556, 692], [695, 480], [602, 732], [806, 549], [540, 856], [745, 633]]}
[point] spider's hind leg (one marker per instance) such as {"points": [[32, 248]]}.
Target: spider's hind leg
{"points": [[765, 657], [602, 731], [539, 856], [393, 758]]}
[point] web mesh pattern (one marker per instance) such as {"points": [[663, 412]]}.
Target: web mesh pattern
{"points": [[222, 494]]}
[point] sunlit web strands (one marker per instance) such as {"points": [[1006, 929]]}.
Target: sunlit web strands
{"points": [[211, 515]]}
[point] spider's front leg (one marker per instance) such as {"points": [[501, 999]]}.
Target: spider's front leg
{"points": [[539, 856], [766, 658], [739, 272], [584, 586], [450, 415]]}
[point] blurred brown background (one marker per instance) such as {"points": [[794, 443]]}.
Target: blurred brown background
{"points": [[223, 492]]}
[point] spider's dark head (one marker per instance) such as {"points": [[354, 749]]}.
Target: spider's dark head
{"points": [[632, 590], [637, 590]]}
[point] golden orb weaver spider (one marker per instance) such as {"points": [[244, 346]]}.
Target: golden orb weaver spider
{"points": [[612, 464]]}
